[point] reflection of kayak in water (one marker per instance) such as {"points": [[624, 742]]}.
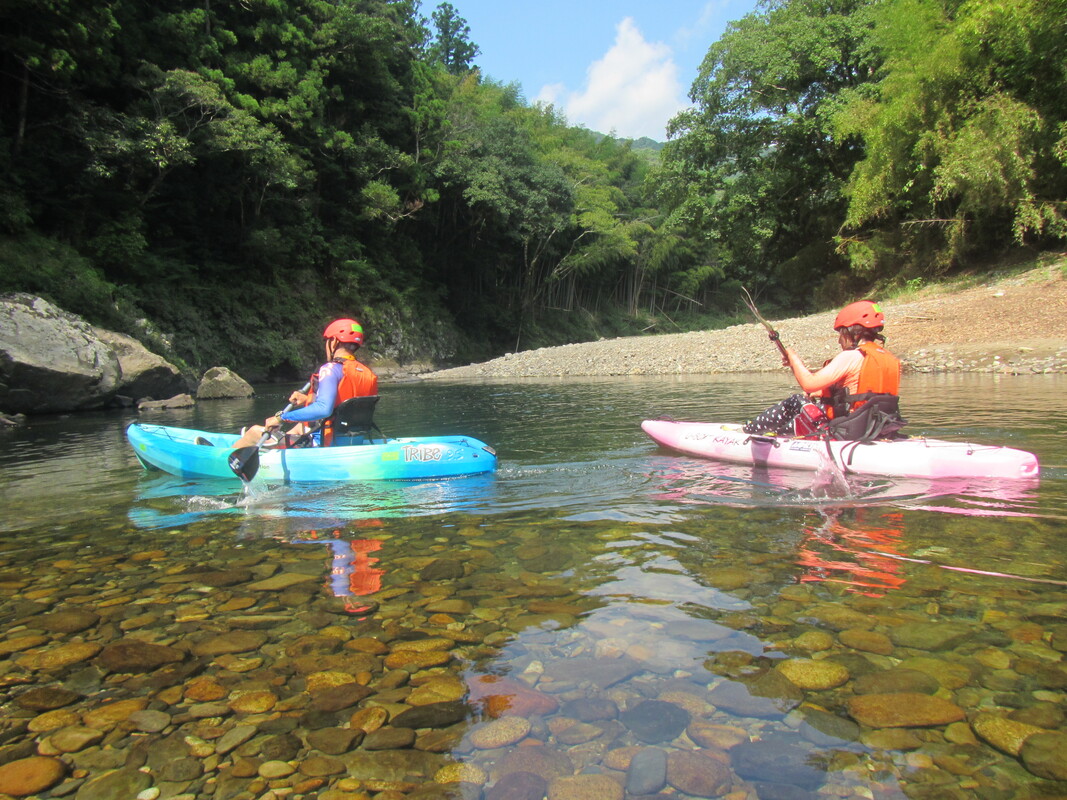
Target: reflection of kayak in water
{"points": [[907, 458], [175, 450], [167, 501]]}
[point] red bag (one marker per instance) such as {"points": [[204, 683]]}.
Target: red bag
{"points": [[809, 422]]}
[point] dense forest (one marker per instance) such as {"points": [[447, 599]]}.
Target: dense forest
{"points": [[218, 179]]}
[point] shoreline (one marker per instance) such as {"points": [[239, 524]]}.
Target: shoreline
{"points": [[1013, 326]]}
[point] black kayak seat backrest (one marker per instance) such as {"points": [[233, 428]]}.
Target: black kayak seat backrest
{"points": [[878, 418], [355, 417]]}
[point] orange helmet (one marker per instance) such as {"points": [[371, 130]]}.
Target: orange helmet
{"points": [[344, 330], [862, 312]]}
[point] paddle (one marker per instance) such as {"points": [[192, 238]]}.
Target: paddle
{"points": [[244, 461], [772, 334]]}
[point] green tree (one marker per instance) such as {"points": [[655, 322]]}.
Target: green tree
{"points": [[451, 44], [965, 133]]}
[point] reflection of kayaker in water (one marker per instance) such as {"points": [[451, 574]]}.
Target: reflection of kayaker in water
{"points": [[352, 571], [863, 557], [862, 370]]}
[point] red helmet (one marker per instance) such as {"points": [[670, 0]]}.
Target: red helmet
{"points": [[862, 312], [344, 330]]}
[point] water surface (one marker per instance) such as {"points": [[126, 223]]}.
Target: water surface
{"points": [[602, 572]]}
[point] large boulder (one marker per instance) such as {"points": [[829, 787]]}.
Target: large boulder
{"points": [[53, 361], [221, 383]]}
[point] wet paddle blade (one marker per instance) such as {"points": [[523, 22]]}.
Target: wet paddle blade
{"points": [[244, 461]]}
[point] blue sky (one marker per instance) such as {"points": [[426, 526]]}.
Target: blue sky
{"points": [[621, 66]]}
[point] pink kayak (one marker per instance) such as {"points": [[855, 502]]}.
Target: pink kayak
{"points": [[914, 457]]}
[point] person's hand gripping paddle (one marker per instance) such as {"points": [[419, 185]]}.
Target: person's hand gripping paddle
{"points": [[244, 461], [772, 334]]}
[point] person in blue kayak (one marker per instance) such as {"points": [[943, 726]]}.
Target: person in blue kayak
{"points": [[862, 371], [341, 378]]}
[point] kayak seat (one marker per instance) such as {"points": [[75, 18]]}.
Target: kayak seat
{"points": [[355, 417], [878, 418]]}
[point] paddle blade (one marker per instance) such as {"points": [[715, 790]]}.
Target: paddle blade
{"points": [[244, 461]]}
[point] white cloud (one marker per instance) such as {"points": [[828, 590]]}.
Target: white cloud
{"points": [[632, 91]]}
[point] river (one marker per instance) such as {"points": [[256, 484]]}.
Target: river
{"points": [[604, 613]]}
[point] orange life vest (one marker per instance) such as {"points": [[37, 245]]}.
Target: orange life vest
{"points": [[880, 374], [357, 380]]}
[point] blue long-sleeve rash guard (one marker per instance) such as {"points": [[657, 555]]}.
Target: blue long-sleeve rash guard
{"points": [[325, 396]]}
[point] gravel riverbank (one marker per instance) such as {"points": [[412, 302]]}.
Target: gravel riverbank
{"points": [[1016, 325]]}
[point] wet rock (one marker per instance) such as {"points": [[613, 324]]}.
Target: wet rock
{"points": [[441, 569], [647, 773], [584, 787], [132, 655], [776, 760], [823, 728], [28, 776], [1005, 734], [434, 715], [814, 675], [1045, 755], [232, 642], [499, 733], [902, 710], [518, 786], [390, 765], [932, 636], [654, 721], [737, 699], [696, 774], [339, 697], [109, 715], [46, 698], [321, 766], [182, 400], [721, 737], [893, 681], [181, 769], [497, 696], [75, 738], [234, 738], [546, 762], [67, 621], [59, 657], [949, 674], [892, 739], [868, 641], [390, 738], [120, 783], [601, 672], [280, 747], [333, 741], [149, 721]]}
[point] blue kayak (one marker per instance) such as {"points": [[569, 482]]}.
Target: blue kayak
{"points": [[175, 450]]}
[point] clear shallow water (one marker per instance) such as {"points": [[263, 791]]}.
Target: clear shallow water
{"points": [[590, 542]]}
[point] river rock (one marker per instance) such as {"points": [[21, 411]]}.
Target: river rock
{"points": [[584, 787], [654, 721], [60, 657], [499, 733], [696, 774], [902, 710], [222, 383], [590, 709], [776, 761], [541, 760], [133, 655], [518, 786], [893, 681], [1005, 734], [141, 372], [1045, 755], [53, 361], [868, 641], [498, 696], [389, 738], [31, 775], [73, 620], [183, 400], [647, 772], [434, 715], [46, 698], [932, 636], [814, 675]]}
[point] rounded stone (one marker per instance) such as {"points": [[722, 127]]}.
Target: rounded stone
{"points": [[585, 787], [461, 771], [275, 769], [696, 774], [1005, 734], [814, 675], [1045, 755], [654, 721], [28, 776], [903, 710], [499, 733]]}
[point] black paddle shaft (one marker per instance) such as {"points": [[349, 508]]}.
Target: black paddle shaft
{"points": [[244, 461]]}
